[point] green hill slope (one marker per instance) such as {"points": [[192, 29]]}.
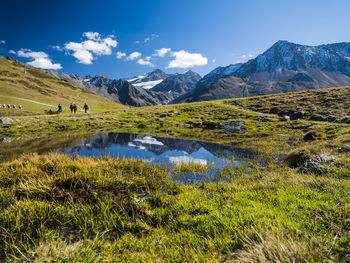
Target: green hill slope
{"points": [[37, 91]]}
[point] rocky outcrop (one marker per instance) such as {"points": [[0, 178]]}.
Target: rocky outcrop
{"points": [[318, 164], [344, 149], [232, 126]]}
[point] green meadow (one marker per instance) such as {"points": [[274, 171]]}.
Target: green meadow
{"points": [[58, 208]]}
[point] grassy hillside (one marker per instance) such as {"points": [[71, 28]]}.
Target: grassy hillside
{"points": [[56, 208], [41, 87], [332, 104]]}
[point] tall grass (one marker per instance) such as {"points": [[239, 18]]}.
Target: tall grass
{"points": [[57, 208]]}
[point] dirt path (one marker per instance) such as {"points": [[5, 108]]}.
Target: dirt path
{"points": [[32, 101], [36, 102]]}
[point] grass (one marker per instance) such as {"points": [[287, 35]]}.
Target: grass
{"points": [[56, 208], [202, 120], [63, 209], [329, 104], [44, 88]]}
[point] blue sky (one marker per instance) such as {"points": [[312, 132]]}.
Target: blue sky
{"points": [[194, 34]]}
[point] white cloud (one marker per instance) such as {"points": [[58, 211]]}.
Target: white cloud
{"points": [[148, 58], [2, 42], [144, 62], [57, 47], [94, 45], [120, 55], [184, 59], [244, 56], [40, 59], [250, 55], [12, 52], [152, 37], [44, 63], [161, 52], [27, 53], [213, 60], [137, 42], [92, 35], [133, 55], [83, 56]]}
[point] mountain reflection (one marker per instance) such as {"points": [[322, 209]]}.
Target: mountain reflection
{"points": [[156, 149]]}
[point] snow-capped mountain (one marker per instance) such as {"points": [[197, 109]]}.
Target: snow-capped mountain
{"points": [[178, 84], [149, 80], [286, 55], [125, 93], [284, 67]]}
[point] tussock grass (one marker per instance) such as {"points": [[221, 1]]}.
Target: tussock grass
{"points": [[56, 208]]}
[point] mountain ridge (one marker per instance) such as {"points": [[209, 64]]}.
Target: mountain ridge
{"points": [[276, 71]]}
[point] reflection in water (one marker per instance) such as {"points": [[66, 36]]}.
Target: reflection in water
{"points": [[153, 149], [158, 150]]}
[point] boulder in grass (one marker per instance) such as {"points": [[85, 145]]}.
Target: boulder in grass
{"points": [[5, 120], [319, 164], [344, 149], [284, 118], [232, 126]]}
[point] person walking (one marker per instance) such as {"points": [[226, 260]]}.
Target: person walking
{"points": [[86, 107], [75, 108], [59, 108], [71, 107]]}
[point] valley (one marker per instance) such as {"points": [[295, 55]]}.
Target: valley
{"points": [[220, 180]]}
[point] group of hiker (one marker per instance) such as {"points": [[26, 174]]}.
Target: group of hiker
{"points": [[72, 107]]}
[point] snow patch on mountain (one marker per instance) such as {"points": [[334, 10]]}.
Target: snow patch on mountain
{"points": [[147, 84]]}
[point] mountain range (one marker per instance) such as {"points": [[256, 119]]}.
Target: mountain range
{"points": [[154, 88], [284, 67]]}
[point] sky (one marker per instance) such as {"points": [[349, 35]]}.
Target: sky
{"points": [[125, 38]]}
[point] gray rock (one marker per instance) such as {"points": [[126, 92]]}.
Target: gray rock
{"points": [[232, 126], [182, 125], [6, 120], [344, 149], [318, 164], [284, 118]]}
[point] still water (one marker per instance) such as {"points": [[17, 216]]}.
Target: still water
{"points": [[152, 149]]}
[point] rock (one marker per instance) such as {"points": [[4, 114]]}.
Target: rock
{"points": [[6, 120], [232, 126], [311, 136], [297, 158], [318, 164], [284, 118], [182, 125], [12, 59], [344, 149]]}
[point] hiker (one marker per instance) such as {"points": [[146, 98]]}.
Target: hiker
{"points": [[59, 108], [8, 106], [86, 107], [71, 108], [75, 108], [14, 106], [20, 107], [3, 105]]}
